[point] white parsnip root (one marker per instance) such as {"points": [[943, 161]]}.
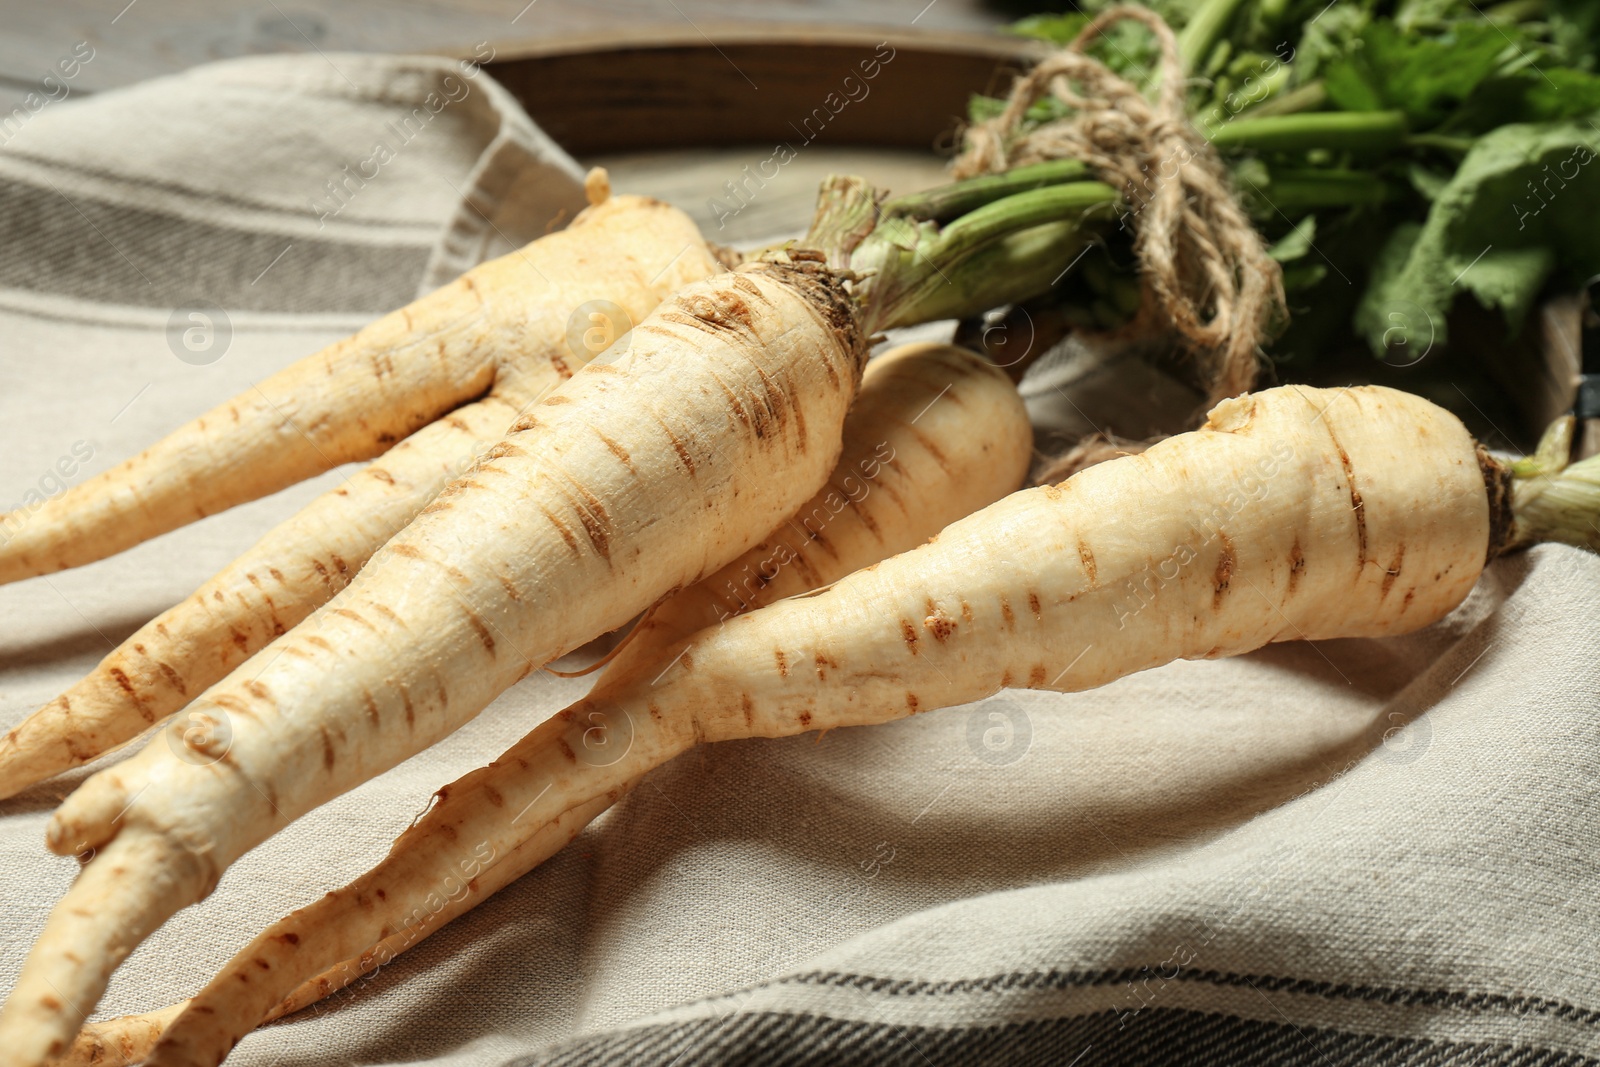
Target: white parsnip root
{"points": [[629, 251], [936, 434], [499, 330], [646, 472]]}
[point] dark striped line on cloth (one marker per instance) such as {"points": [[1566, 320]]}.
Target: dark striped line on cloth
{"points": [[1103, 1039], [87, 249], [214, 196], [1058, 979]]}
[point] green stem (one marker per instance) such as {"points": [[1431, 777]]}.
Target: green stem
{"points": [[1553, 500], [950, 201], [1004, 252], [1204, 27], [1292, 191], [1456, 145], [1368, 132], [1308, 97]]}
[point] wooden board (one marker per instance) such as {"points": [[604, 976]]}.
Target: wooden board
{"points": [[806, 86]]}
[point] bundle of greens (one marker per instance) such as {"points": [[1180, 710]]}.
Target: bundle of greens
{"points": [[1398, 154]]}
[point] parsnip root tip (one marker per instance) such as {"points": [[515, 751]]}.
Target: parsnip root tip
{"points": [[597, 186]]}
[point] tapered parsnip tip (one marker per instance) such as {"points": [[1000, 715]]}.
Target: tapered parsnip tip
{"points": [[597, 186], [133, 886], [127, 1039]]}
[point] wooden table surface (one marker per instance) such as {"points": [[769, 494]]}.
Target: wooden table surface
{"points": [[147, 38]]}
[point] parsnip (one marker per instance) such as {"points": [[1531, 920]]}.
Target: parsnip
{"points": [[577, 520], [1295, 513], [640, 476], [936, 434], [630, 251], [499, 330]]}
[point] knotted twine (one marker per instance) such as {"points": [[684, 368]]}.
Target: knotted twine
{"points": [[1204, 271]]}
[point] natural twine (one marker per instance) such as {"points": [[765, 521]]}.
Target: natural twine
{"points": [[1203, 269]]}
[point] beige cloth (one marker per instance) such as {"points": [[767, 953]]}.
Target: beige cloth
{"points": [[1356, 852]]}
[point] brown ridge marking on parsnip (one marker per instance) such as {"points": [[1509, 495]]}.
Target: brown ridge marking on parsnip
{"points": [[287, 939], [319, 641], [259, 690], [1036, 676], [1222, 578], [601, 368], [1033, 606], [231, 703], [908, 634], [411, 713], [173, 678], [354, 617], [511, 589], [1005, 679], [654, 709], [1297, 565], [455, 422], [940, 625], [524, 424], [401, 548], [390, 615], [1005, 613], [797, 408], [1052, 493], [749, 710], [480, 629], [821, 663], [277, 576], [561, 528], [782, 662], [677, 445], [566, 750], [695, 321], [371, 706], [1357, 505], [382, 475], [122, 680], [500, 451], [865, 516], [739, 281], [805, 718], [328, 757], [1086, 557], [833, 375], [932, 449], [596, 523], [1392, 571], [733, 402], [1406, 603], [556, 398], [240, 639], [966, 611], [616, 450]]}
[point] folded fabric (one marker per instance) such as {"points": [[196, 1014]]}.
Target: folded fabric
{"points": [[1354, 852]]}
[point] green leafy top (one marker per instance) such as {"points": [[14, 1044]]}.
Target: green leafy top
{"points": [[1459, 127]]}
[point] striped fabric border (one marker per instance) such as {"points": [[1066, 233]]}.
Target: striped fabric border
{"points": [[1152, 1035], [1160, 1036]]}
